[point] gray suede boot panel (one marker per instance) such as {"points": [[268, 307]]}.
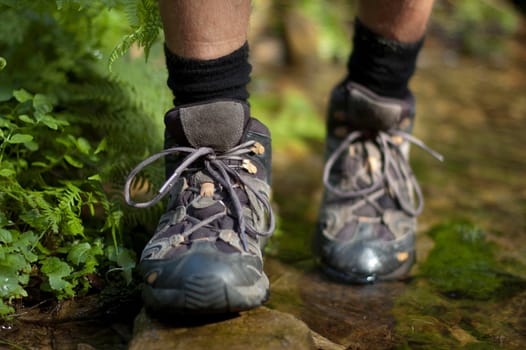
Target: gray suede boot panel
{"points": [[218, 125], [371, 112]]}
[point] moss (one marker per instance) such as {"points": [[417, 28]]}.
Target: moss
{"points": [[458, 286], [428, 320], [419, 320], [463, 265]]}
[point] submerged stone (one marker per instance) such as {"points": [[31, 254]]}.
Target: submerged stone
{"points": [[261, 328]]}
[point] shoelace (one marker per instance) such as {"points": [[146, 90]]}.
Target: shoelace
{"points": [[401, 169], [219, 171]]}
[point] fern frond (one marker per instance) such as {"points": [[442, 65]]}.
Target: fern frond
{"points": [[145, 20], [123, 47], [130, 10]]}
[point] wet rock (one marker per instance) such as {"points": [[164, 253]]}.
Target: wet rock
{"points": [[322, 343], [261, 328], [357, 317]]}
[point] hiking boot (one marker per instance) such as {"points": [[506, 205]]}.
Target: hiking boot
{"points": [[205, 255], [367, 221]]}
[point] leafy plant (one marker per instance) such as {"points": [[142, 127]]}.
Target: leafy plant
{"points": [[47, 200], [333, 22], [68, 135]]}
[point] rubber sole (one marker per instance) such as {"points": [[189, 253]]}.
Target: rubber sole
{"points": [[205, 294]]}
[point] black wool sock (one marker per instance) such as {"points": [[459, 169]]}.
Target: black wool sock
{"points": [[382, 65], [194, 80]]}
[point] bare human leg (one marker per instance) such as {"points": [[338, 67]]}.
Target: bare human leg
{"points": [[401, 20], [205, 29]]}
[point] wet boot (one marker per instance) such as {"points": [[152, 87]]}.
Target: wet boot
{"points": [[367, 220], [205, 255]]}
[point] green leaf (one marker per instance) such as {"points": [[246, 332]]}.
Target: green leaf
{"points": [[34, 218], [56, 269], [5, 236], [22, 163], [19, 138], [83, 145], [39, 164], [42, 104], [3, 63], [16, 262], [7, 172], [6, 93], [79, 253], [49, 121], [101, 147], [72, 161], [73, 226], [125, 258], [52, 159], [9, 282], [95, 177], [126, 261], [4, 123], [23, 279], [43, 249], [31, 145], [27, 239], [22, 95], [3, 219], [26, 119], [24, 245], [5, 309]]}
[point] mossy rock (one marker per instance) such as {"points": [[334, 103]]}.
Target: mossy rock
{"points": [[260, 328], [462, 264]]}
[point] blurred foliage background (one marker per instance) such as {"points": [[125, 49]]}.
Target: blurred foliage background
{"points": [[73, 80]]}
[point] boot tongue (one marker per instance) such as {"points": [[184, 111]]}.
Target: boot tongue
{"points": [[369, 111], [218, 125]]}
